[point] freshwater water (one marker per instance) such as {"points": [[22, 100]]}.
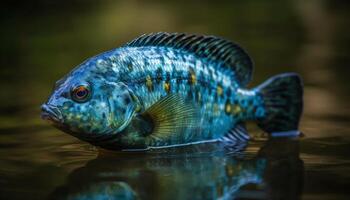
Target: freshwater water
{"points": [[42, 40]]}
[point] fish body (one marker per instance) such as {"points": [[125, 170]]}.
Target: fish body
{"points": [[163, 90]]}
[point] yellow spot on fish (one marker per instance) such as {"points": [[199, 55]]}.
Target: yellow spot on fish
{"points": [[138, 108], [167, 87], [236, 109], [149, 83], [228, 107], [219, 90], [193, 77], [230, 170]]}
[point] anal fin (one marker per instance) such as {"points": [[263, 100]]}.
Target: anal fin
{"points": [[237, 134]]}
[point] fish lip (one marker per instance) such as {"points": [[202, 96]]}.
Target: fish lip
{"points": [[51, 113]]}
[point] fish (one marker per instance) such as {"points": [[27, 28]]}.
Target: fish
{"points": [[171, 89]]}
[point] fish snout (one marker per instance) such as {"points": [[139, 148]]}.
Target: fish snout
{"points": [[51, 113]]}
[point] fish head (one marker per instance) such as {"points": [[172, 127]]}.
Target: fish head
{"points": [[89, 108]]}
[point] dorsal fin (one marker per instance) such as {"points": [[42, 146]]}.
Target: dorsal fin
{"points": [[211, 47]]}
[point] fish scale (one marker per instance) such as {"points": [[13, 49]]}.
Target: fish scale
{"points": [[211, 84], [179, 69]]}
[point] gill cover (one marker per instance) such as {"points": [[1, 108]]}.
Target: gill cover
{"points": [[122, 105]]}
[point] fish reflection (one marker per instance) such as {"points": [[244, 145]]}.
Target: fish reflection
{"points": [[274, 172]]}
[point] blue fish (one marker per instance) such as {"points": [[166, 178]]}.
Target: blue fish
{"points": [[169, 89]]}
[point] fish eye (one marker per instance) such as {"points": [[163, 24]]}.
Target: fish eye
{"points": [[80, 93]]}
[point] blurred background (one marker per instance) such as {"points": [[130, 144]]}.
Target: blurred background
{"points": [[42, 40]]}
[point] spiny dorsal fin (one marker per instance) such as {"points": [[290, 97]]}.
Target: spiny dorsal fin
{"points": [[211, 47], [170, 116]]}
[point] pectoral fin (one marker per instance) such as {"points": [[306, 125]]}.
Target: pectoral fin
{"points": [[170, 117]]}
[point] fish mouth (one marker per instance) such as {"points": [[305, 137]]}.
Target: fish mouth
{"points": [[51, 113]]}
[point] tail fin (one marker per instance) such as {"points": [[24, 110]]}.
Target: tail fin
{"points": [[283, 100]]}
